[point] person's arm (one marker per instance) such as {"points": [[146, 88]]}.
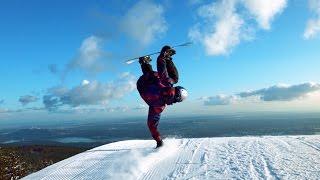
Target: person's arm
{"points": [[153, 121], [145, 66]]}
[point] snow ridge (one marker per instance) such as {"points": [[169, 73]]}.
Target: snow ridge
{"points": [[267, 157]]}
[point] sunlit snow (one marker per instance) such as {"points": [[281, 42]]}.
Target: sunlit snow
{"points": [[268, 157]]}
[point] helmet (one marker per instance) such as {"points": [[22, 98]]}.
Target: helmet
{"points": [[181, 94]]}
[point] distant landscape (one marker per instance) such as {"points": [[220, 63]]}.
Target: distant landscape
{"points": [[31, 146], [92, 133]]}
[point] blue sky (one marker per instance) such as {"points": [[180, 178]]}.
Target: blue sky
{"points": [[66, 59]]}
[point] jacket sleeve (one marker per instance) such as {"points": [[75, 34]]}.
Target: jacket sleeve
{"points": [[163, 72], [153, 121]]}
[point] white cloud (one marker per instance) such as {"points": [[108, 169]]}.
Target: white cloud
{"points": [[279, 92], [85, 109], [89, 57], [314, 6], [35, 108], [283, 92], [144, 22], [312, 29], [8, 111], [141, 107], [117, 109], [59, 91], [89, 93], [265, 11], [85, 82], [92, 109], [219, 100], [24, 100], [313, 25], [224, 24], [222, 27], [226, 36]]}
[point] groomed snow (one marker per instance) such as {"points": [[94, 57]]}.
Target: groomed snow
{"points": [[268, 157]]}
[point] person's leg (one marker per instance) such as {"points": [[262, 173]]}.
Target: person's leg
{"points": [[172, 71]]}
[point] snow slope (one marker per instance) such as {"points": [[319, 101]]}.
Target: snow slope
{"points": [[268, 157]]}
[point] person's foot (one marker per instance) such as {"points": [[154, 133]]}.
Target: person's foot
{"points": [[159, 144]]}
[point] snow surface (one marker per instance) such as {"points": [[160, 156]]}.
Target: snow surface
{"points": [[267, 157]]}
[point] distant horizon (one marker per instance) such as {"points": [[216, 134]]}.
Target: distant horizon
{"points": [[174, 115], [91, 133]]}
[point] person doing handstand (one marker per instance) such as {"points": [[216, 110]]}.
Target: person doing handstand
{"points": [[157, 88]]}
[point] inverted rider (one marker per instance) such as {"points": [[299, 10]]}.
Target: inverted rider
{"points": [[157, 90]]}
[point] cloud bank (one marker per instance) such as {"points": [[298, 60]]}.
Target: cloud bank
{"points": [[265, 11], [8, 111], [283, 92], [3, 110], [273, 93], [224, 24], [89, 93], [144, 22], [313, 25], [24, 100], [141, 107], [220, 99]]}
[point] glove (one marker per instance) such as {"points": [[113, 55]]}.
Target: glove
{"points": [[144, 60]]}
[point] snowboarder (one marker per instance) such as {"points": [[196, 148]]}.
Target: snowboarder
{"points": [[157, 90]]}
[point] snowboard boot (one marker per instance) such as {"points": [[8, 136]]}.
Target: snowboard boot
{"points": [[159, 144]]}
